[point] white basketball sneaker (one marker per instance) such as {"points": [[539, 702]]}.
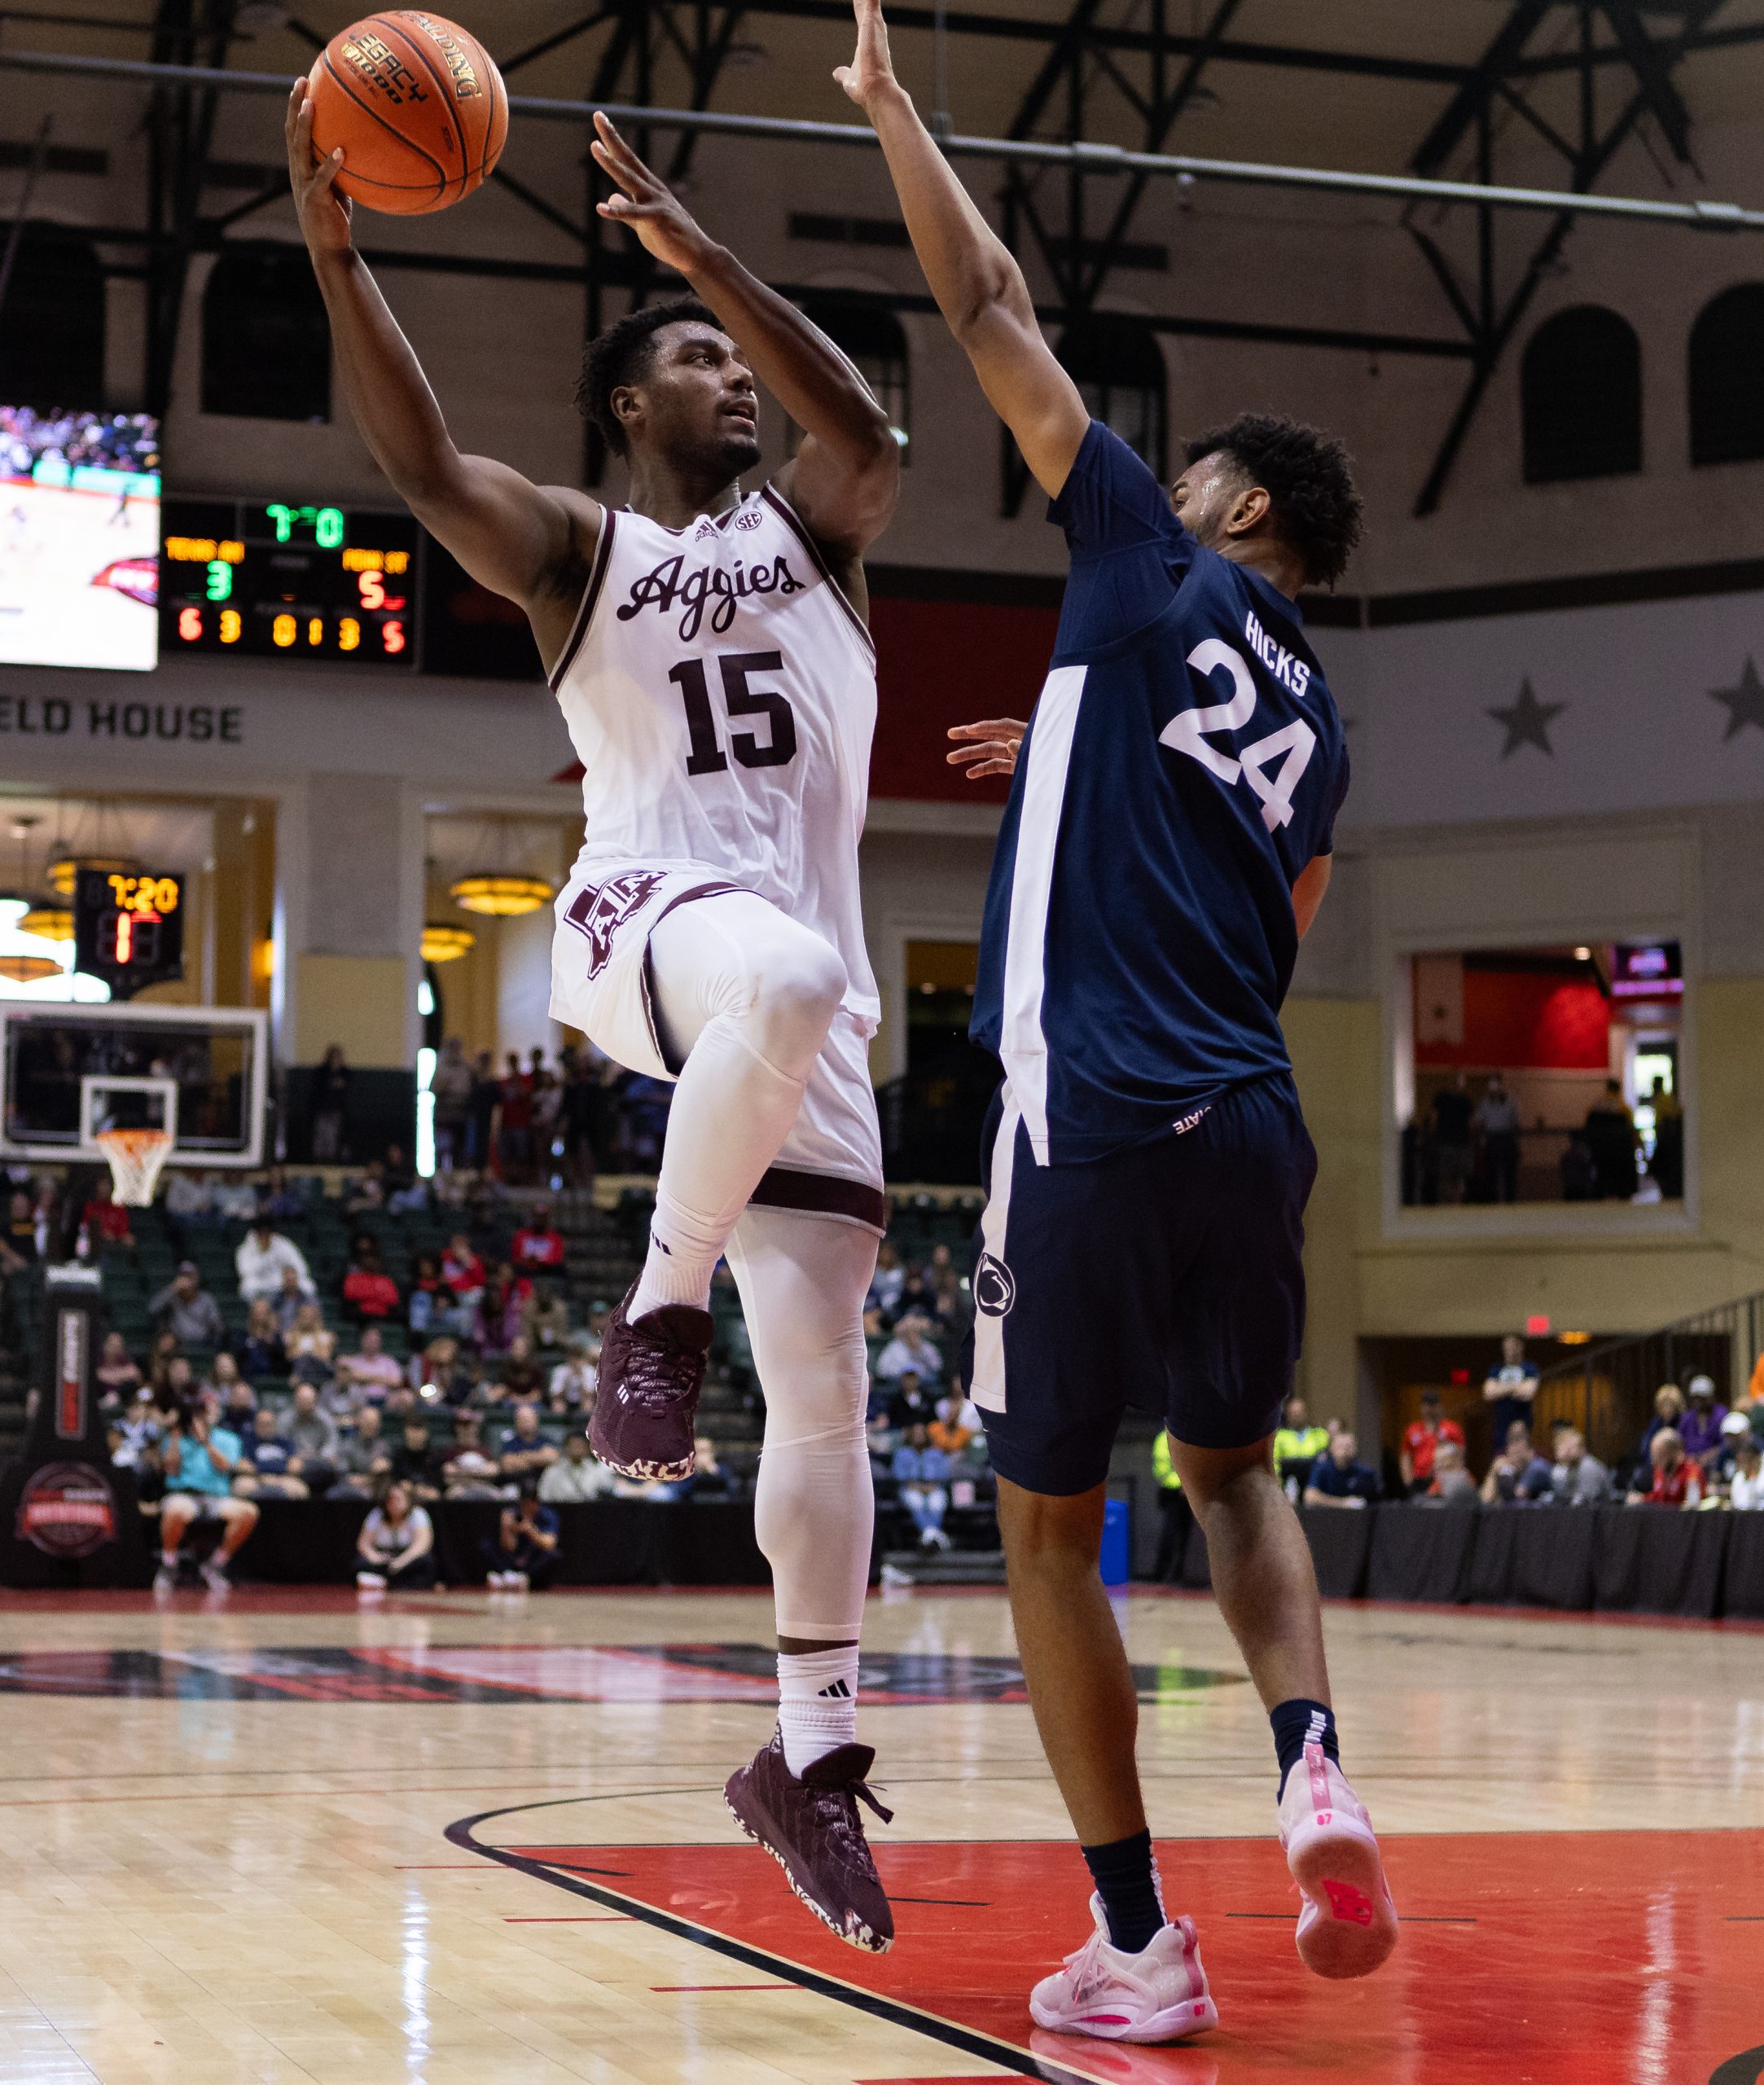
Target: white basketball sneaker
{"points": [[1158, 1995], [1348, 1924]]}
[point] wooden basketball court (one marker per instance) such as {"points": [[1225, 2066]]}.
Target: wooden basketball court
{"points": [[287, 1836]]}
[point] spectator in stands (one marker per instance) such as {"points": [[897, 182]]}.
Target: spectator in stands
{"points": [[312, 1346], [261, 1351], [463, 1272], [451, 1085], [520, 1376], [1296, 1444], [1667, 1165], [1511, 1389], [18, 1250], [539, 1244], [189, 1201], [264, 1470], [1453, 1485], [266, 1260], [523, 1450], [1496, 1124], [134, 1436], [117, 1377], [1420, 1443], [364, 1457], [947, 1432], [371, 1371], [369, 1294], [406, 1193], [514, 1108], [105, 1220], [485, 1094], [199, 1487], [1339, 1478], [523, 1551], [186, 1310], [365, 1194], [1610, 1134], [1669, 1409], [224, 1380], [160, 1356], [1452, 1109], [1676, 1480], [429, 1299], [469, 1470], [174, 1382], [312, 1433], [910, 1351], [922, 1473], [1579, 1479], [238, 1405], [1700, 1428], [417, 1463], [438, 1366], [885, 1286], [396, 1547], [1580, 1177], [1745, 1487], [282, 1198], [1518, 1476], [1735, 1430], [330, 1109], [545, 1317], [573, 1380], [499, 1309], [575, 1478], [910, 1404]]}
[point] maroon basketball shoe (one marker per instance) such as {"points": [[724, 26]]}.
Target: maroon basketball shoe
{"points": [[651, 1375], [812, 1829]]}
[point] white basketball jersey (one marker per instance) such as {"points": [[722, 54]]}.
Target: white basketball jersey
{"points": [[720, 692]]}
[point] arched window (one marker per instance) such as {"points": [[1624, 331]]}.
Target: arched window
{"points": [[1118, 366], [1580, 392], [876, 342], [1727, 378], [52, 323], [266, 340]]}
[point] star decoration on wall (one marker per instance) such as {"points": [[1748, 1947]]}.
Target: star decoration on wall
{"points": [[1744, 704], [1526, 721]]}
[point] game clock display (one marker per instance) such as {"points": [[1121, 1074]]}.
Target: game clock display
{"points": [[128, 930], [273, 581]]}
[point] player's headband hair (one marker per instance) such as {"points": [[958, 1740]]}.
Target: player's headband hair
{"points": [[620, 355], [1308, 476]]}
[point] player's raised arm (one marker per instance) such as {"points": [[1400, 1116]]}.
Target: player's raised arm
{"points": [[979, 287], [516, 537], [846, 476]]}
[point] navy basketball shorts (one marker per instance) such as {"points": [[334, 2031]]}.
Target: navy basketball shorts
{"points": [[1168, 1276]]}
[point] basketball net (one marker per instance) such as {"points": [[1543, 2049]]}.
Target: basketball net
{"points": [[135, 1157]]}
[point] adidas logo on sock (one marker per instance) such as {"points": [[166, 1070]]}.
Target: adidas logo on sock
{"points": [[837, 1692]]}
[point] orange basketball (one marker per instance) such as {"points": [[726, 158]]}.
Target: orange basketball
{"points": [[418, 106]]}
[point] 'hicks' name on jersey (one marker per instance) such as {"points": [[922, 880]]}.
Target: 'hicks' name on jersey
{"points": [[1289, 672]]}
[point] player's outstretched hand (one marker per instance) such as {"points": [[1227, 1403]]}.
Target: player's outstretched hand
{"points": [[646, 203], [872, 70], [991, 747], [324, 215]]}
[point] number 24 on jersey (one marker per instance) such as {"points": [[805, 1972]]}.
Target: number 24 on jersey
{"points": [[1292, 745]]}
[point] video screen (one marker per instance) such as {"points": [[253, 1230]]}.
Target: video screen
{"points": [[79, 539]]}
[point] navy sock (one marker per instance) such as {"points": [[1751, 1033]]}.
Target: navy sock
{"points": [[1297, 1724], [1127, 1883]]}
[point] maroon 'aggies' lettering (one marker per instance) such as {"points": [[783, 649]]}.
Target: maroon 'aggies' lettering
{"points": [[599, 911]]}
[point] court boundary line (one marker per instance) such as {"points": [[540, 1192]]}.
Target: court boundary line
{"points": [[896, 2012]]}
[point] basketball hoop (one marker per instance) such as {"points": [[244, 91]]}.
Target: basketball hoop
{"points": [[135, 1157]]}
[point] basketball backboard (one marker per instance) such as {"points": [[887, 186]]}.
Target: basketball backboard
{"points": [[67, 1073]]}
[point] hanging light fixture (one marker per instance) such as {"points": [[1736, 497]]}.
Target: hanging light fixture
{"points": [[28, 969], [500, 895], [444, 942], [48, 923], [64, 873]]}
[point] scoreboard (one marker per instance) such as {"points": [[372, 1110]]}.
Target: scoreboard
{"points": [[128, 930], [275, 581]]}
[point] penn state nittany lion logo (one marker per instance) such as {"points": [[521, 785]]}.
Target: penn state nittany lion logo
{"points": [[994, 1287]]}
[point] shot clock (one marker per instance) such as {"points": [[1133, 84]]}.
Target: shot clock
{"points": [[272, 580], [128, 930]]}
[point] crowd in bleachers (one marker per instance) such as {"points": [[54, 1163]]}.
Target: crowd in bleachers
{"points": [[438, 1340]]}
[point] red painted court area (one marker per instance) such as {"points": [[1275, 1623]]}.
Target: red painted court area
{"points": [[1566, 1959]]}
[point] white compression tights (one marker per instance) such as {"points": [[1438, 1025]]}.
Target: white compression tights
{"points": [[802, 1280], [745, 996]]}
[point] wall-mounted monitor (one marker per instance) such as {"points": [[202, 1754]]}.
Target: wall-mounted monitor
{"points": [[79, 539]]}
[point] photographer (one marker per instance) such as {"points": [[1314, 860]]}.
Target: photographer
{"points": [[201, 1461], [523, 1551]]}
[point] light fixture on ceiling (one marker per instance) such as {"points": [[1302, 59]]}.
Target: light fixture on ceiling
{"points": [[1583, 955], [501, 895], [63, 875], [444, 942], [48, 923]]}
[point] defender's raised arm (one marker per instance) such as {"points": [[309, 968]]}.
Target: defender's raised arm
{"points": [[531, 543], [979, 287]]}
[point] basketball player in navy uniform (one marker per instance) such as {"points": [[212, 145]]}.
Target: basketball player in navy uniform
{"points": [[1166, 844], [709, 653]]}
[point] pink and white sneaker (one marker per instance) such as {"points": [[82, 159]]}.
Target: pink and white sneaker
{"points": [[1348, 1924], [1158, 1995]]}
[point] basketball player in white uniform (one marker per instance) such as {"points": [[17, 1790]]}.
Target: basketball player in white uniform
{"points": [[710, 655]]}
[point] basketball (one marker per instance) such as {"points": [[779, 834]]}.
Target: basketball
{"points": [[418, 106]]}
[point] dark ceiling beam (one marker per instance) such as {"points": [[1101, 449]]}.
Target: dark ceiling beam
{"points": [[1067, 46], [556, 41], [1734, 36], [1655, 73], [1459, 117]]}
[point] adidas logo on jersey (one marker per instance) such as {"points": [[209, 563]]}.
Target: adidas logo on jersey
{"points": [[669, 586]]}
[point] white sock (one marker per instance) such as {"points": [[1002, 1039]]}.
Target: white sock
{"points": [[817, 1703], [168, 1558]]}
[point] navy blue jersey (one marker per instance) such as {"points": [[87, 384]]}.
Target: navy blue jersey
{"points": [[1184, 764]]}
